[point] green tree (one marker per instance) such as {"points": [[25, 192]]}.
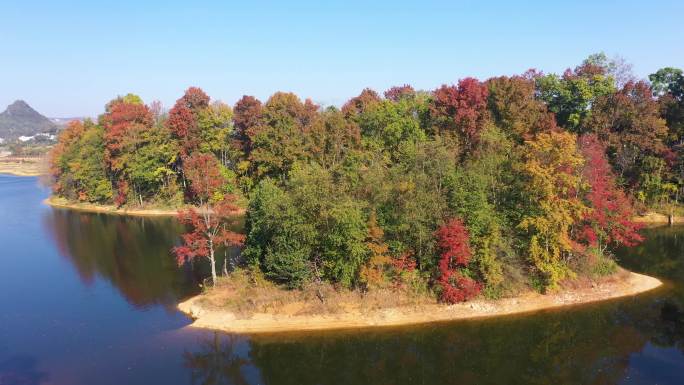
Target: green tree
{"points": [[482, 192], [390, 123], [572, 95], [88, 167], [281, 139], [333, 137], [215, 125], [411, 197], [78, 165], [150, 160], [279, 239]]}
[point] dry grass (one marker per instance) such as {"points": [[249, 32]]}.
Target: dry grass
{"points": [[588, 281], [23, 166], [245, 294], [238, 308]]}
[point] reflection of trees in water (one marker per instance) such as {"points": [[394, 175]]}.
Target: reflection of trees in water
{"points": [[661, 255], [132, 253], [588, 345], [587, 348], [217, 362], [671, 330], [584, 349]]}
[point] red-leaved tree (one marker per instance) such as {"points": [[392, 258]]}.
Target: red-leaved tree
{"points": [[610, 220], [123, 122], [182, 120], [397, 93], [195, 99], [120, 122], [209, 226], [246, 116], [462, 109], [359, 104], [453, 241]]}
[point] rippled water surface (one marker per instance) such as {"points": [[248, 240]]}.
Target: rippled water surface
{"points": [[90, 299]]}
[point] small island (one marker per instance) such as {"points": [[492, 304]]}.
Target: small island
{"points": [[475, 199], [286, 313]]}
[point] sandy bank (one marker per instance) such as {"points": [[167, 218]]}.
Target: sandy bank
{"points": [[108, 209], [214, 318], [111, 209], [22, 166], [657, 218]]}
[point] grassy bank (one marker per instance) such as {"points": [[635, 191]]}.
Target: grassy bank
{"points": [[108, 209], [658, 218], [23, 166], [242, 305], [112, 209]]}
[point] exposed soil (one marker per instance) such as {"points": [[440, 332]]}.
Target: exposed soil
{"points": [[217, 309], [111, 209], [22, 166], [657, 218]]}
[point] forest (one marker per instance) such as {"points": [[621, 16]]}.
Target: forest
{"points": [[477, 187]]}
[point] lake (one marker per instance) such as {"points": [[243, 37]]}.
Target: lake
{"points": [[90, 299]]}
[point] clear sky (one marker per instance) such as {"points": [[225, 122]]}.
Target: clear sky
{"points": [[68, 58]]}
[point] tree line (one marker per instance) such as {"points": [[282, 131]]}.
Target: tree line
{"points": [[479, 186]]}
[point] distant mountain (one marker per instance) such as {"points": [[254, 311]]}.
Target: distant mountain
{"points": [[19, 119]]}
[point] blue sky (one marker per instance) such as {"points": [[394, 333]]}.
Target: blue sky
{"points": [[69, 58]]}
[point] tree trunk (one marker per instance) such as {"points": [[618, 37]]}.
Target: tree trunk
{"points": [[225, 265], [213, 262]]}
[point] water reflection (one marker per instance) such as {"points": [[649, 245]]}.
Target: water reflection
{"points": [[671, 328], [662, 255], [553, 349], [625, 341], [21, 370], [218, 361], [133, 254], [589, 348], [638, 340]]}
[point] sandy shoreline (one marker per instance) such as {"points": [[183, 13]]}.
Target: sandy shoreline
{"points": [[656, 218], [107, 209], [649, 218], [111, 209], [22, 166], [218, 319], [14, 172]]}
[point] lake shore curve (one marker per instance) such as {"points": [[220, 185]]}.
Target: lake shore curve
{"points": [[107, 209], [208, 317], [111, 209], [651, 218]]}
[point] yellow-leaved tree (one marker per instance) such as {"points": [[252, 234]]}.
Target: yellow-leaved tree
{"points": [[552, 165], [373, 273]]}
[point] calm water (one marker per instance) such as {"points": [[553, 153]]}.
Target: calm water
{"points": [[90, 299]]}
